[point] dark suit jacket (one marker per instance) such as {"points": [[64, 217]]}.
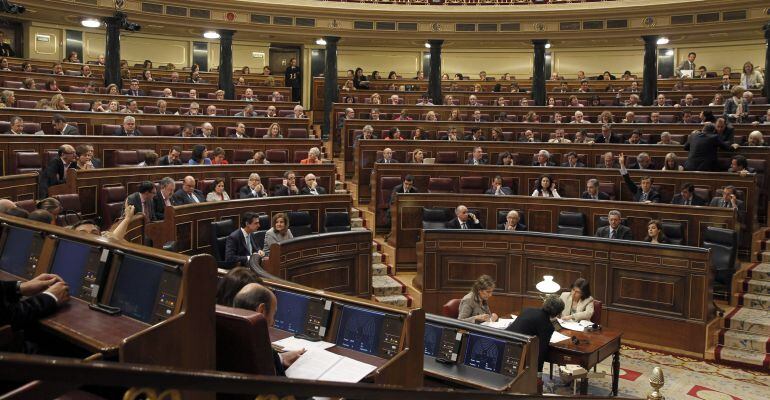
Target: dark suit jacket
{"points": [[599, 138], [160, 205], [135, 199], [53, 174], [548, 164], [181, 198], [535, 322], [139, 92], [19, 312], [600, 195], [70, 130], [702, 154], [695, 200], [319, 189], [399, 189], [236, 250], [623, 232], [391, 161], [653, 196], [578, 165], [483, 161], [728, 135], [246, 193], [122, 132], [506, 191], [720, 202], [164, 161], [470, 137], [455, 224], [283, 190]]}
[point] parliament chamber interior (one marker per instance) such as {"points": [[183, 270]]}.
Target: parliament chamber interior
{"points": [[238, 211]]}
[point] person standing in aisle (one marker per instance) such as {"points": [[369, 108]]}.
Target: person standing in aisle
{"points": [[293, 79]]}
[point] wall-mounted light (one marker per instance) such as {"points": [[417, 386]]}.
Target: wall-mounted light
{"points": [[669, 53], [91, 23], [547, 45], [663, 40], [320, 42], [211, 35], [427, 45]]}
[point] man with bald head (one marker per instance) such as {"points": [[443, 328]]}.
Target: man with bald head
{"points": [[207, 130], [258, 298], [464, 219], [188, 194], [55, 172], [312, 187]]}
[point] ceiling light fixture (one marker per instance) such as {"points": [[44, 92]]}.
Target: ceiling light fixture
{"points": [[210, 35], [663, 40], [320, 42], [427, 45], [91, 23], [547, 45]]}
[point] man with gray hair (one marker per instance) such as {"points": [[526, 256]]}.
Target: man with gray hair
{"points": [[543, 159], [592, 191], [349, 114], [207, 130], [464, 219], [614, 230], [128, 128], [253, 189], [299, 112], [313, 156], [312, 187], [163, 197]]}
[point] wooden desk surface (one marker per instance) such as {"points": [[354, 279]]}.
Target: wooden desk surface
{"points": [[88, 329], [277, 334], [595, 346]]}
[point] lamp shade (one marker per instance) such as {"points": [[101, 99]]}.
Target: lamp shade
{"points": [[547, 285]]}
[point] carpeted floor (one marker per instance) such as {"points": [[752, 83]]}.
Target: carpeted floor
{"points": [[685, 378]]}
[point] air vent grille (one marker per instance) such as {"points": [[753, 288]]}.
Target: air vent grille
{"points": [[407, 26], [198, 13], [510, 27], [176, 11], [708, 17], [152, 8], [487, 28], [617, 23], [736, 15], [386, 26], [681, 19], [593, 24], [368, 25], [89, 2], [283, 20], [465, 27], [305, 22], [569, 26], [260, 19]]}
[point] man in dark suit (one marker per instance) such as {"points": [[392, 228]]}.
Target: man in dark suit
{"points": [[253, 189], [128, 128], [687, 196], [614, 230], [55, 173], [725, 131], [22, 303], [477, 157], [498, 189], [592, 191], [726, 85], [464, 220], [608, 161], [572, 161], [164, 197], [172, 158], [143, 200], [686, 65], [5, 49], [312, 187], [240, 246], [475, 135], [543, 159], [539, 322], [387, 157], [62, 127], [512, 222], [133, 89], [729, 200], [406, 186], [703, 147], [188, 194], [607, 136], [289, 185], [642, 193], [256, 297]]}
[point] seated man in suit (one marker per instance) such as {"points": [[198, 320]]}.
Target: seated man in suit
{"points": [[528, 137], [539, 322], [635, 138], [61, 126], [188, 194], [512, 222], [128, 128], [498, 189], [387, 157], [642, 193], [614, 230], [608, 161], [164, 197], [644, 161], [475, 135], [289, 185], [143, 200], [248, 111], [55, 173], [173, 157], [740, 165], [729, 200], [687, 196], [607, 136], [256, 297], [477, 157], [133, 89], [592, 191], [406, 186], [22, 303], [543, 159], [240, 131], [366, 133], [312, 187], [253, 189], [240, 246], [464, 220], [572, 161]]}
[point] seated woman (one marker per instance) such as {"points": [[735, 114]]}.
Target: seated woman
{"points": [[199, 156], [273, 132], [474, 307], [578, 303], [218, 157], [545, 187], [278, 233], [233, 282], [505, 158], [655, 233], [313, 156], [218, 192], [418, 157]]}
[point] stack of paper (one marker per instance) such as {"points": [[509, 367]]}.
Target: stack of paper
{"points": [[323, 365], [292, 343], [501, 323], [558, 337], [572, 325]]}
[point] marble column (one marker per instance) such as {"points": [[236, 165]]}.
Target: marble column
{"points": [[112, 50], [331, 91], [226, 63], [650, 74], [434, 79], [538, 73]]}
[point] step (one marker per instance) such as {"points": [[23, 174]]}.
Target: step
{"points": [[378, 257], [760, 272], [379, 269], [752, 300], [387, 285], [356, 222], [395, 300], [355, 213], [748, 320], [756, 287], [738, 356], [744, 341]]}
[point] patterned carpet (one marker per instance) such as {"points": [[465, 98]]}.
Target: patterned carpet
{"points": [[386, 287], [685, 378]]}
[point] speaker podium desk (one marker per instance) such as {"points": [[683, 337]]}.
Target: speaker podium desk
{"points": [[592, 348]]}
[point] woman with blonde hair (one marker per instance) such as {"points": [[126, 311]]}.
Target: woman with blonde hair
{"points": [[751, 78], [278, 233], [273, 131], [474, 306], [671, 163]]}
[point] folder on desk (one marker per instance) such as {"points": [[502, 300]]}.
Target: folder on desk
{"points": [[323, 365]]}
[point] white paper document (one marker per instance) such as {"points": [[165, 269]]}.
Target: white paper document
{"points": [[322, 365], [292, 343], [558, 337], [501, 323], [572, 325]]}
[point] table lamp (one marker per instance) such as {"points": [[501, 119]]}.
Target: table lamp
{"points": [[547, 285]]}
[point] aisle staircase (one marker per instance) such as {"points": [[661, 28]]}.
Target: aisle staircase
{"points": [[745, 337], [385, 286]]}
